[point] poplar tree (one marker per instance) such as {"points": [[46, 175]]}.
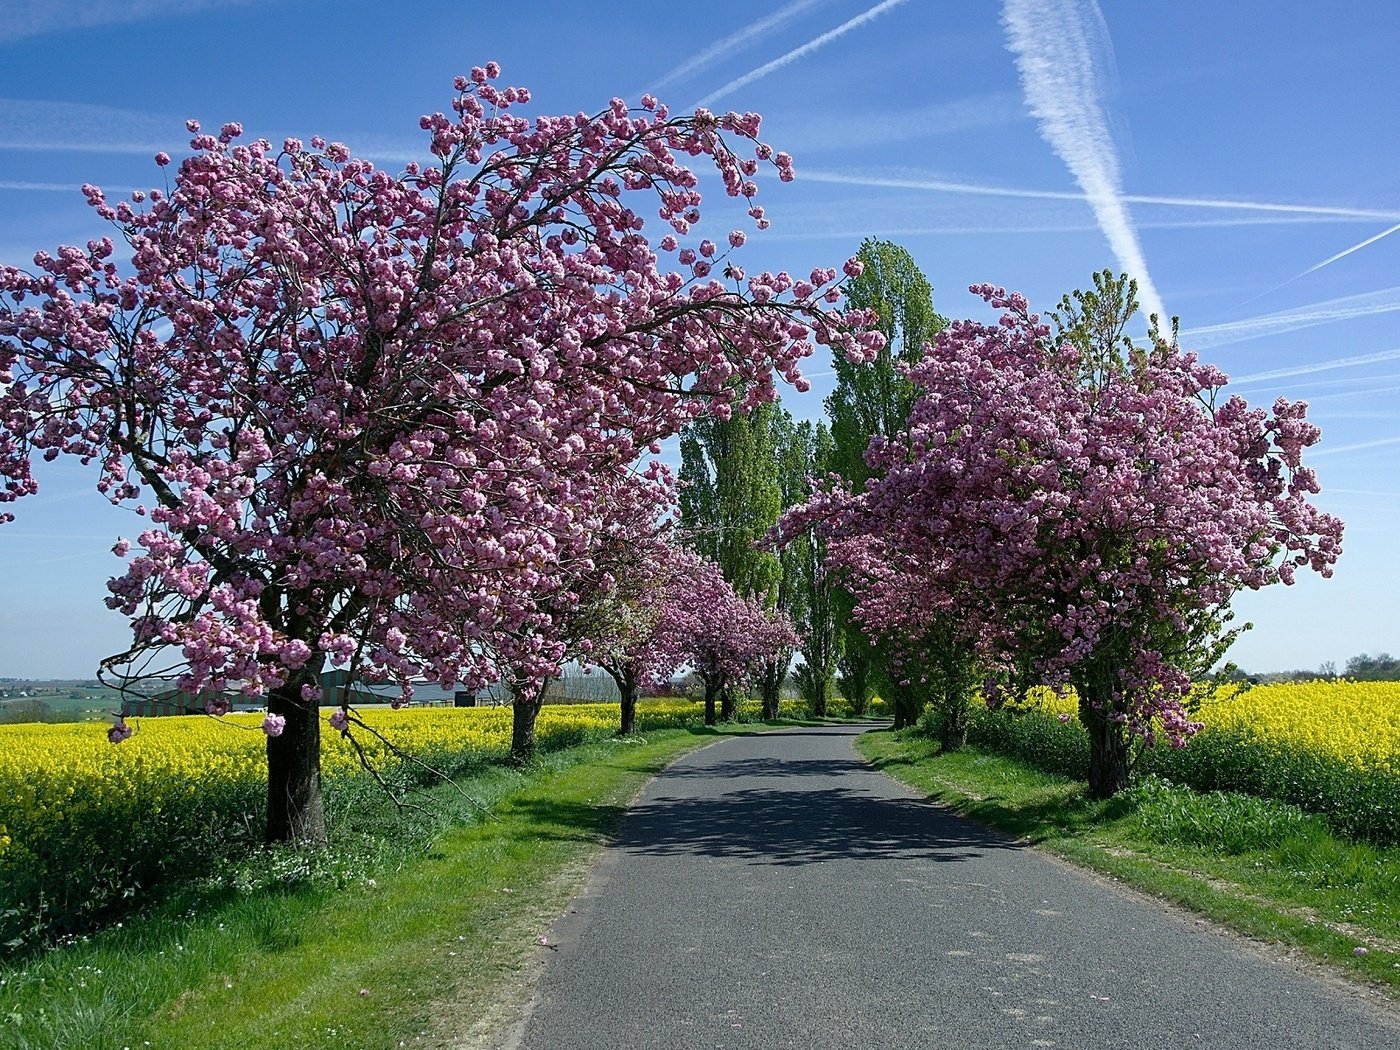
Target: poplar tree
{"points": [[872, 401]]}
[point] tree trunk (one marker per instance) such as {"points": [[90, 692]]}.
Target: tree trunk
{"points": [[525, 709], [907, 706], [625, 675], [627, 686], [711, 691], [728, 703], [295, 812], [821, 695], [772, 695], [774, 672], [954, 729], [1109, 767]]}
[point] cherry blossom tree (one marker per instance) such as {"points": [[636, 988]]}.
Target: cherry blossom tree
{"points": [[720, 635], [631, 643], [605, 610], [1088, 508], [362, 415]]}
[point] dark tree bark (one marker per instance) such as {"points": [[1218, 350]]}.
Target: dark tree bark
{"points": [[525, 710], [907, 704], [774, 671], [1109, 761], [625, 675], [712, 688], [295, 811]]}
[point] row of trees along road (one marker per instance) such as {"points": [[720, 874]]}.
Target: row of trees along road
{"points": [[386, 422], [396, 423], [739, 473]]}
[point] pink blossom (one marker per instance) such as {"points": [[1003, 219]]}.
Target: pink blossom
{"points": [[428, 486], [119, 731], [273, 725]]}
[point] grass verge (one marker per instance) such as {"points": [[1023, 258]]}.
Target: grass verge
{"points": [[1263, 868], [408, 949]]}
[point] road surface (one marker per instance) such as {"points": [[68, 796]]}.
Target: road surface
{"points": [[775, 891]]}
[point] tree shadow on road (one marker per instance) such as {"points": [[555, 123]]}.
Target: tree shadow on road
{"points": [[775, 827]]}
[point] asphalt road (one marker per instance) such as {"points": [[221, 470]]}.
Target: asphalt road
{"points": [[774, 891]]}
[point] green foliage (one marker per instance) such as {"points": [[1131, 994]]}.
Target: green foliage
{"points": [[873, 400], [814, 609], [1225, 821], [1379, 668], [1358, 803], [731, 496]]}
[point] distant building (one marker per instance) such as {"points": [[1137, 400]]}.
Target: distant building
{"points": [[179, 702]]}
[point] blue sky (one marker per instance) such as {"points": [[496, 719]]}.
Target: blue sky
{"points": [[1237, 157]]}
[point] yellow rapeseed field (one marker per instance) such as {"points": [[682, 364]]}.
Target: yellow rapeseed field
{"points": [[51, 774], [1357, 722]]}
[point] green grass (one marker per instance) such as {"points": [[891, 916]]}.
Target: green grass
{"points": [[1263, 868], [378, 946]]}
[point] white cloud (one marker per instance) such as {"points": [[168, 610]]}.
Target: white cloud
{"points": [[846, 132], [1063, 52], [39, 125], [803, 51]]}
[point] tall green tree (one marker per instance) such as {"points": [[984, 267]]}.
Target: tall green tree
{"points": [[873, 401], [804, 560], [730, 497], [792, 464]]}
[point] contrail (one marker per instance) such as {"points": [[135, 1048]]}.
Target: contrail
{"points": [[1061, 46], [915, 182], [1359, 446], [1325, 262], [27, 18], [1313, 398], [734, 42], [800, 52], [1318, 366], [29, 124], [43, 187], [1384, 301], [993, 229], [1347, 251]]}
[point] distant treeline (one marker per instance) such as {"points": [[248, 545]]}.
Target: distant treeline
{"points": [[1364, 668]]}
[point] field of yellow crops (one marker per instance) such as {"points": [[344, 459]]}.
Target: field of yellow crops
{"points": [[1355, 722], [57, 776], [88, 827]]}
